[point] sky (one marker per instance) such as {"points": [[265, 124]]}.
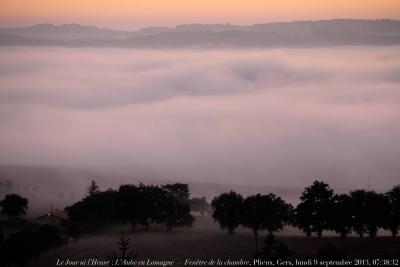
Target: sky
{"points": [[134, 14], [274, 117]]}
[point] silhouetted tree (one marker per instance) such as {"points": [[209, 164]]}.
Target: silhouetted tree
{"points": [[153, 205], [167, 205], [175, 210], [254, 214], [359, 211], [142, 205], [265, 212], [340, 216], [93, 188], [370, 211], [313, 212], [303, 218], [125, 253], [378, 210], [95, 210], [178, 191], [277, 213], [393, 221], [176, 213], [129, 205], [199, 205], [14, 205], [227, 210]]}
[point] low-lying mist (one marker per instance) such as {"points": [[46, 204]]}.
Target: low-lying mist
{"points": [[279, 117]]}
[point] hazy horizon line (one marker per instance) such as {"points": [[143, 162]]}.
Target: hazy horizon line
{"points": [[20, 26]]}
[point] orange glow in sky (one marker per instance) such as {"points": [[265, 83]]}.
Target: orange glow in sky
{"points": [[131, 14]]}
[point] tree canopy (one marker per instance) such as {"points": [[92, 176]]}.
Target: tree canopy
{"points": [[14, 205], [167, 205], [227, 210], [312, 213], [393, 220]]}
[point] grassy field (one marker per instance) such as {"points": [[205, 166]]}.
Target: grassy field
{"points": [[206, 241]]}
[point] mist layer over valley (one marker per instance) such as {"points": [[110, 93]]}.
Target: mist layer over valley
{"points": [[272, 117]]}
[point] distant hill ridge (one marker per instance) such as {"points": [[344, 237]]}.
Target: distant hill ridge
{"points": [[297, 33]]}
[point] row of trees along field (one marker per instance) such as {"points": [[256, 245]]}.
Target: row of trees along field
{"points": [[360, 211], [170, 205], [167, 205], [363, 212]]}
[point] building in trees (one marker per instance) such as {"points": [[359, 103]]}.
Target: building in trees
{"points": [[56, 218]]}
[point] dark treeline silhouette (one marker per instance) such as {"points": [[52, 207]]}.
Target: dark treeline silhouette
{"points": [[256, 212], [320, 209], [360, 211], [166, 205]]}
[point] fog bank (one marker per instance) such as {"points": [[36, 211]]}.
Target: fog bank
{"points": [[271, 117]]}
